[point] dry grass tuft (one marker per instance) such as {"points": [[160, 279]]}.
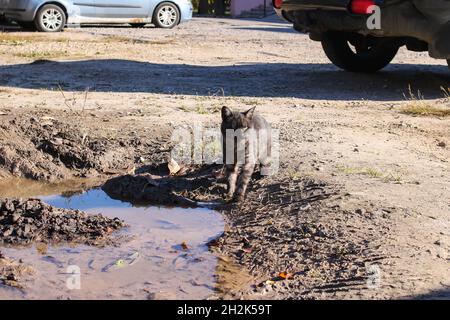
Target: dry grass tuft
{"points": [[418, 106]]}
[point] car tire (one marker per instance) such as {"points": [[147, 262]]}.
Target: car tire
{"points": [[138, 25], [448, 63], [166, 15], [50, 18], [369, 54]]}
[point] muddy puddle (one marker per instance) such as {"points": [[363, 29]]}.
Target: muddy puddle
{"points": [[165, 255]]}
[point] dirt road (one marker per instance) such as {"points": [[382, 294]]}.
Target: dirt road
{"points": [[387, 216]]}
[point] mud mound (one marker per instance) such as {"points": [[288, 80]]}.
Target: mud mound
{"points": [[12, 272], [43, 148], [193, 186], [24, 222]]}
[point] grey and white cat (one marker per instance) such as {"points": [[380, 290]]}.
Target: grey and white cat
{"points": [[246, 141]]}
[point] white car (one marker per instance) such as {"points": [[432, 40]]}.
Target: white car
{"points": [[54, 15]]}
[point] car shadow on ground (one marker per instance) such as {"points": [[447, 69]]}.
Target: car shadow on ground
{"points": [[10, 27], [308, 81], [441, 294]]}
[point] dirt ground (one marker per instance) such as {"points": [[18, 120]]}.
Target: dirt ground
{"points": [[360, 207]]}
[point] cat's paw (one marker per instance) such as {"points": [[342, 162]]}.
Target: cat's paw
{"points": [[239, 197], [229, 197]]}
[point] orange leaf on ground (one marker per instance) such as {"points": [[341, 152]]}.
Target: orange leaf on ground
{"points": [[184, 246], [285, 275]]}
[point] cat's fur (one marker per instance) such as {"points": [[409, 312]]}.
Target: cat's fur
{"points": [[255, 137]]}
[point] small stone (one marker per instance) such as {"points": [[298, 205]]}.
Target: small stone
{"points": [[7, 232], [15, 217], [57, 141], [305, 206], [27, 230]]}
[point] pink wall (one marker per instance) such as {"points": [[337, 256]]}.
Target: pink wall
{"points": [[239, 6]]}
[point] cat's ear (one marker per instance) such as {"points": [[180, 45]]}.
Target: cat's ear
{"points": [[226, 113], [250, 113]]}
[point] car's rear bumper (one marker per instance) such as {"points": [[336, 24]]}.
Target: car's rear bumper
{"points": [[332, 14], [290, 5]]}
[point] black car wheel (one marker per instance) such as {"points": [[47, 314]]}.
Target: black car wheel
{"points": [[50, 18], [357, 53]]}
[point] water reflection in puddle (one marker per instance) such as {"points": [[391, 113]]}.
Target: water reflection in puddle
{"points": [[152, 264]]}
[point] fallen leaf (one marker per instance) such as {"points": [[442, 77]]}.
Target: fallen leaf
{"points": [[285, 276], [184, 246], [120, 263], [248, 249], [173, 166]]}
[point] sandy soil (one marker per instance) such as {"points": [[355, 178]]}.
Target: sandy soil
{"points": [[387, 213]]}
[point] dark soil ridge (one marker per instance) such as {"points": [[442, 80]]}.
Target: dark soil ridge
{"points": [[23, 222], [40, 147], [155, 185]]}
